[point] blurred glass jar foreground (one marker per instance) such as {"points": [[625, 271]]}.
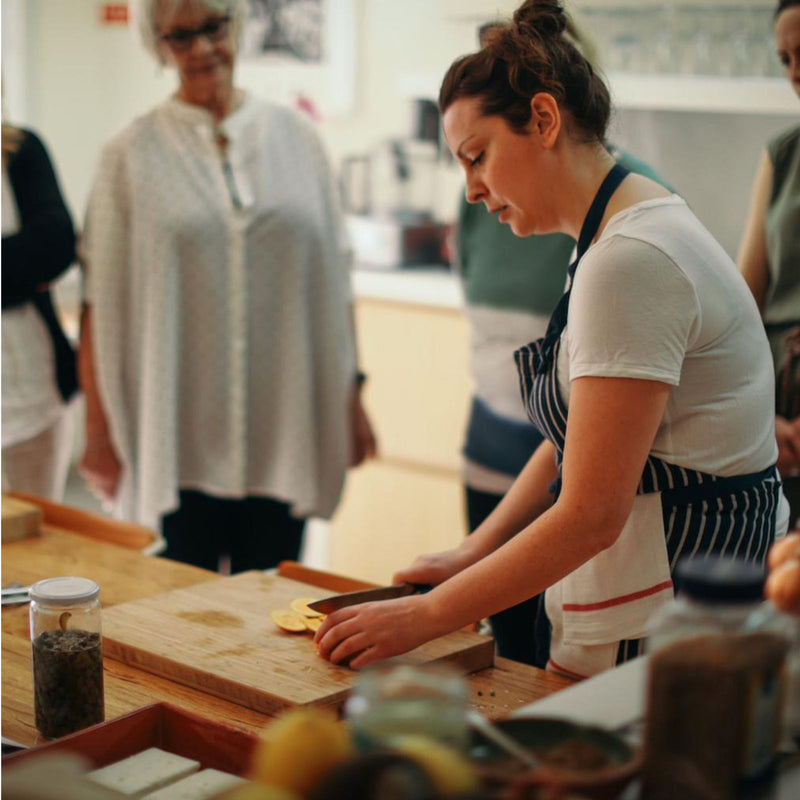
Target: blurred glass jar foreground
{"points": [[716, 684], [713, 595], [391, 702]]}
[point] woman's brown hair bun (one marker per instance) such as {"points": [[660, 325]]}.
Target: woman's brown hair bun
{"points": [[534, 53], [544, 17]]}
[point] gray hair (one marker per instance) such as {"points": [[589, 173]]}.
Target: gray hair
{"points": [[148, 14]]}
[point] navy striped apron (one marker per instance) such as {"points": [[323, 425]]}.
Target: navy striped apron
{"points": [[702, 513]]}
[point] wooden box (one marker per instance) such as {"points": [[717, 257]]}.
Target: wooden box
{"points": [[214, 745]]}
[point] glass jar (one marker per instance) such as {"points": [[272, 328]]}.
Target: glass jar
{"points": [[391, 702], [67, 655], [717, 663], [714, 595]]}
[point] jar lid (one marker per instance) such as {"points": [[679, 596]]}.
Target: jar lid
{"points": [[720, 580], [64, 591]]}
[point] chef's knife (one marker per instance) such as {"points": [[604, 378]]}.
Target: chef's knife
{"points": [[330, 604]]}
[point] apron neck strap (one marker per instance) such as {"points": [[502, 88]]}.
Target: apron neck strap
{"points": [[594, 216], [558, 320]]}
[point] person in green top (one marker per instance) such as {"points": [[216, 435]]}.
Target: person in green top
{"points": [[769, 258], [511, 286]]}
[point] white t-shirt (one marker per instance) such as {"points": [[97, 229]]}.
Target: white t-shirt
{"points": [[220, 293], [657, 298]]}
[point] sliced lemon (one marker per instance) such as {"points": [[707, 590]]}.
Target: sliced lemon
{"points": [[300, 605], [288, 620], [313, 623]]}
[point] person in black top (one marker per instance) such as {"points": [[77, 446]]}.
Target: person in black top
{"points": [[39, 374]]}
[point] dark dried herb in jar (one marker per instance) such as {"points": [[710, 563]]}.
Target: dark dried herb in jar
{"points": [[67, 681], [713, 714]]}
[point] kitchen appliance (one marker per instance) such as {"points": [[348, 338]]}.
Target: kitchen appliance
{"points": [[389, 196], [397, 241]]}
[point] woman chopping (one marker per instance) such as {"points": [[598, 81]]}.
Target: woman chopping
{"points": [[653, 385]]}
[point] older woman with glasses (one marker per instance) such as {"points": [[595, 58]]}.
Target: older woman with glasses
{"points": [[217, 351]]}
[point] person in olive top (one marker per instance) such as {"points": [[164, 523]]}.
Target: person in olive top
{"points": [[511, 286], [769, 258], [39, 374]]}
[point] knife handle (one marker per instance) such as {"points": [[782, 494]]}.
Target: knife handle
{"points": [[421, 588]]}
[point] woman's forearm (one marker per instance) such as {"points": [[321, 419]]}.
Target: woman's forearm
{"points": [[100, 465], [96, 420], [537, 557], [525, 501], [612, 426], [752, 256]]}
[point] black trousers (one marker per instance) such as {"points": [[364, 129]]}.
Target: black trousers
{"points": [[255, 532], [514, 629]]}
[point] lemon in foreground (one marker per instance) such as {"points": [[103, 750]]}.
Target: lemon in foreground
{"points": [[259, 791], [296, 749], [446, 768]]}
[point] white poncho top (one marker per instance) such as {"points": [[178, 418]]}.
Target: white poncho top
{"points": [[220, 291]]}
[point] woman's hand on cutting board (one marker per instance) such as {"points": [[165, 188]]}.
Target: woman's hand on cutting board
{"points": [[435, 568], [369, 632]]}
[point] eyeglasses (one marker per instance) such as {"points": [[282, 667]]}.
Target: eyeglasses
{"points": [[181, 39]]}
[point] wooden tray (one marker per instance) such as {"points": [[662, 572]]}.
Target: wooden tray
{"points": [[218, 637], [158, 725]]}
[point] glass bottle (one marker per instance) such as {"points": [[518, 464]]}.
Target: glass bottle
{"points": [[391, 702], [714, 595], [67, 655], [717, 663]]}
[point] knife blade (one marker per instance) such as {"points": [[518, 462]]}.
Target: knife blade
{"points": [[330, 604]]}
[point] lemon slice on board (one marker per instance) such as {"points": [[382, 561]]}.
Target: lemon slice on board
{"points": [[300, 605], [313, 623], [288, 621]]}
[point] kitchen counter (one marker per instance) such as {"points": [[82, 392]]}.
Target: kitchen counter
{"points": [[427, 286], [125, 574]]}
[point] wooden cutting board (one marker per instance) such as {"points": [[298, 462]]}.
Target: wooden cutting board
{"points": [[20, 519], [218, 637]]}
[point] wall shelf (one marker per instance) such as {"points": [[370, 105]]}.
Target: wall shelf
{"points": [[703, 93], [698, 93]]}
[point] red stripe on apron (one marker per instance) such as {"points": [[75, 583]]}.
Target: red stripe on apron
{"points": [[618, 601]]}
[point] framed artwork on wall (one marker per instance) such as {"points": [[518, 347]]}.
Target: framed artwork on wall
{"points": [[301, 52]]}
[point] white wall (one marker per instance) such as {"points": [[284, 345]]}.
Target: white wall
{"points": [[83, 81], [710, 159]]}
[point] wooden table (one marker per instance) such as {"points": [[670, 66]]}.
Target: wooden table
{"points": [[125, 574]]}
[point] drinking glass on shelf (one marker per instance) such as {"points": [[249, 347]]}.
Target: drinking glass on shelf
{"points": [[684, 32], [727, 40], [665, 50]]}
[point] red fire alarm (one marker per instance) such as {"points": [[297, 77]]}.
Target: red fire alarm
{"points": [[114, 13]]}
